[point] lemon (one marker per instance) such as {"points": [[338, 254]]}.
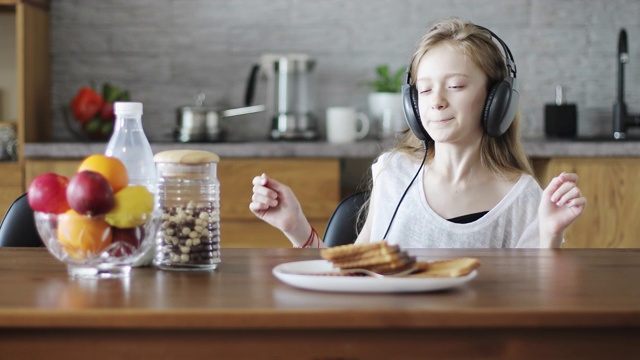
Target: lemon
{"points": [[133, 205]]}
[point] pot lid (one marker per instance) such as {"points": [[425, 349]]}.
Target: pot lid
{"points": [[199, 105]]}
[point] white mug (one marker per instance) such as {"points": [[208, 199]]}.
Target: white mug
{"points": [[343, 124]]}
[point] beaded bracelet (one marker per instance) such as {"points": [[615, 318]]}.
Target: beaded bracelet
{"points": [[309, 241]]}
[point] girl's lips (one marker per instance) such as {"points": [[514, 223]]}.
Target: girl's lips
{"points": [[441, 120], [437, 124]]}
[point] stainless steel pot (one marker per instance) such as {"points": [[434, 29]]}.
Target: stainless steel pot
{"points": [[201, 123]]}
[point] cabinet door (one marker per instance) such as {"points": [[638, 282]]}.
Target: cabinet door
{"points": [[316, 183], [10, 185], [28, 82], [34, 73], [612, 189]]}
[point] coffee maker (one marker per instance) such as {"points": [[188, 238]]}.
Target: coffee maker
{"points": [[287, 100]]}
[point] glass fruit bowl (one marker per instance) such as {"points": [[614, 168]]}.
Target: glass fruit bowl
{"points": [[90, 247]]}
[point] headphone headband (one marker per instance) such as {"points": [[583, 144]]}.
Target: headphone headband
{"points": [[508, 57]]}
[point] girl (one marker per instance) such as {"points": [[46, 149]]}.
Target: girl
{"points": [[457, 180]]}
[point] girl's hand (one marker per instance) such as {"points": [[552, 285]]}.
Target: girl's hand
{"points": [[277, 205], [562, 203]]}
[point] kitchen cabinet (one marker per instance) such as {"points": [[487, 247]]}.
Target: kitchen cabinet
{"points": [[31, 91], [612, 190], [316, 183]]}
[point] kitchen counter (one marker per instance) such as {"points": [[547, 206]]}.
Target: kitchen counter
{"points": [[535, 148], [267, 149]]}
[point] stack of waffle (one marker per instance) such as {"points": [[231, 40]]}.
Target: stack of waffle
{"points": [[386, 259], [378, 257]]}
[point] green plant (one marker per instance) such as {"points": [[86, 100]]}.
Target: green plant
{"points": [[387, 82]]}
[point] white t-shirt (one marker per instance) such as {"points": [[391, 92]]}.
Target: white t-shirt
{"points": [[512, 223]]}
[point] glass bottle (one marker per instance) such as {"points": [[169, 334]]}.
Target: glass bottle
{"points": [[189, 197], [129, 144]]}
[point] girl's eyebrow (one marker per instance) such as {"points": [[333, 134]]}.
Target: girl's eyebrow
{"points": [[447, 76]]}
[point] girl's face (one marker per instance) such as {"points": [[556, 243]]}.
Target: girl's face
{"points": [[451, 95]]}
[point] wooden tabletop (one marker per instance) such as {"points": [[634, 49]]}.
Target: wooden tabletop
{"points": [[515, 292]]}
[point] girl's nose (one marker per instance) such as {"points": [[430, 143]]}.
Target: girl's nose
{"points": [[438, 102]]}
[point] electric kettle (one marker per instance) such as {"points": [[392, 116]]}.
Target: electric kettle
{"points": [[287, 95]]}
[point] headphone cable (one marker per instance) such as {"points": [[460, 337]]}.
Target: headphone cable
{"points": [[424, 144]]}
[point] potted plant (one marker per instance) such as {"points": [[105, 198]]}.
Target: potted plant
{"points": [[385, 103], [386, 82]]}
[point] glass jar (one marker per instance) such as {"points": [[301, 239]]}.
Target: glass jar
{"points": [[189, 196], [8, 142]]}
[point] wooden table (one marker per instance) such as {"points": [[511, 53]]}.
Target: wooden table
{"points": [[524, 304]]}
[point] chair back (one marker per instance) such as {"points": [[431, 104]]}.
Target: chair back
{"points": [[18, 228], [343, 226]]}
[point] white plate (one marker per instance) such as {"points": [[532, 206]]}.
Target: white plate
{"points": [[300, 274]]}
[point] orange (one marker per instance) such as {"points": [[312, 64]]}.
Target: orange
{"points": [[83, 236], [111, 168]]}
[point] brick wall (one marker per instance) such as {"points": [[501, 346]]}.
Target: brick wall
{"points": [[166, 51]]}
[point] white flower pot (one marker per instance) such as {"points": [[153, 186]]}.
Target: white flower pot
{"points": [[386, 112]]}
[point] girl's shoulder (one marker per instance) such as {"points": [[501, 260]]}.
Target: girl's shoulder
{"points": [[390, 162], [394, 167], [396, 159]]}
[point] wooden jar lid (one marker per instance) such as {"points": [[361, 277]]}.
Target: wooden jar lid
{"points": [[186, 157]]}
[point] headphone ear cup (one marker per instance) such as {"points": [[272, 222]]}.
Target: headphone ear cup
{"points": [[500, 107], [412, 112]]}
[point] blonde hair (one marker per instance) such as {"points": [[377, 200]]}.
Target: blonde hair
{"points": [[502, 155]]}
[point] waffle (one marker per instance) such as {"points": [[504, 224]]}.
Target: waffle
{"points": [[447, 268], [357, 251], [379, 257]]}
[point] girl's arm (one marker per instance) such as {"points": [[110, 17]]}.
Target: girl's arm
{"points": [[277, 205]]}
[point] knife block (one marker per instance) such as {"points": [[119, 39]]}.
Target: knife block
{"points": [[560, 120]]}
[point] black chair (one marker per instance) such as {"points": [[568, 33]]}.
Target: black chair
{"points": [[343, 226], [18, 228]]}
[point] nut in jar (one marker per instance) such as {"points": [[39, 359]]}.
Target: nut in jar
{"points": [[189, 196]]}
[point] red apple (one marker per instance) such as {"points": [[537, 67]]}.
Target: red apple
{"points": [[129, 238], [89, 193], [47, 193]]}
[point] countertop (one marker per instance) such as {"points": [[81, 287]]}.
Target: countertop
{"points": [[535, 148]]}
